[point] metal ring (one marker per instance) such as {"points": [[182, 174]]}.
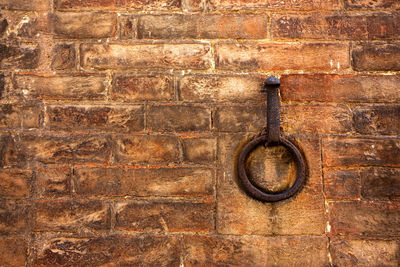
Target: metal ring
{"points": [[264, 195]]}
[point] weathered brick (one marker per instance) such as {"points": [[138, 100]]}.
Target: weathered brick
{"points": [[23, 56], [165, 118], [118, 4], [15, 115], [356, 252], [13, 251], [127, 26], [53, 181], [364, 218], [89, 117], [2, 85], [240, 118], [9, 154], [274, 4], [342, 184], [352, 151], [84, 24], [113, 250], [10, 116], [367, 4], [23, 24], [14, 217], [282, 56], [25, 5], [383, 25], [165, 216], [65, 148], [72, 215], [340, 88], [140, 87], [199, 150], [193, 5], [145, 149], [236, 26], [378, 119], [78, 87], [380, 183], [138, 56], [15, 183], [376, 56], [255, 251], [144, 182], [63, 57], [222, 88]]}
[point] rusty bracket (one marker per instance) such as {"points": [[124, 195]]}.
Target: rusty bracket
{"points": [[271, 137]]}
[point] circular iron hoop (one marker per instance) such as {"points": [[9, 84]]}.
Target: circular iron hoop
{"points": [[264, 195]]}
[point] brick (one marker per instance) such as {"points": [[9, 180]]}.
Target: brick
{"points": [[240, 118], [15, 115], [15, 183], [145, 149], [13, 251], [234, 26], [164, 216], [380, 183], [23, 24], [356, 252], [144, 182], [199, 150], [166, 118], [342, 184], [193, 5], [255, 251], [140, 87], [74, 215], [10, 116], [64, 57], [75, 87], [383, 25], [25, 5], [377, 119], [65, 148], [364, 218], [14, 217], [112, 250], [127, 26], [274, 4], [23, 56], [84, 25], [376, 56], [366, 4], [340, 88], [138, 56], [206, 88], [90, 117], [118, 4], [2, 85], [281, 56], [53, 182], [9, 156], [350, 151]]}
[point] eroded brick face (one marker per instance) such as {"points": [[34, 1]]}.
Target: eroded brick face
{"points": [[121, 123]]}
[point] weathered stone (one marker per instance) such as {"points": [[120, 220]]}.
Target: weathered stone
{"points": [[367, 4], [376, 56], [118, 4], [380, 183], [377, 120], [23, 56], [13, 251], [64, 57], [275, 4], [127, 26], [240, 118], [14, 217], [199, 150], [25, 5], [15, 183], [342, 184], [53, 181]]}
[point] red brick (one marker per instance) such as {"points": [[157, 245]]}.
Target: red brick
{"points": [[84, 25], [352, 151], [255, 251], [48, 87], [165, 216], [53, 182], [142, 87], [240, 118], [274, 4], [9, 154], [15, 183], [367, 4], [199, 150], [340, 88], [167, 118], [13, 251], [376, 56], [206, 88], [282, 56], [138, 56], [64, 57], [89, 117], [380, 183], [145, 149], [15, 115], [144, 182], [75, 215], [127, 26], [22, 56], [342, 184], [377, 120], [364, 218], [383, 25], [25, 5], [236, 26], [356, 252], [14, 217], [118, 4]]}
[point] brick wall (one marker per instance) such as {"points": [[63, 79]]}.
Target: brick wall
{"points": [[121, 122]]}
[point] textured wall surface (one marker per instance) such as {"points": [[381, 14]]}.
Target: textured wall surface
{"points": [[121, 122]]}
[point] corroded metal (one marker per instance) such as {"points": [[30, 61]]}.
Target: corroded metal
{"points": [[271, 137]]}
